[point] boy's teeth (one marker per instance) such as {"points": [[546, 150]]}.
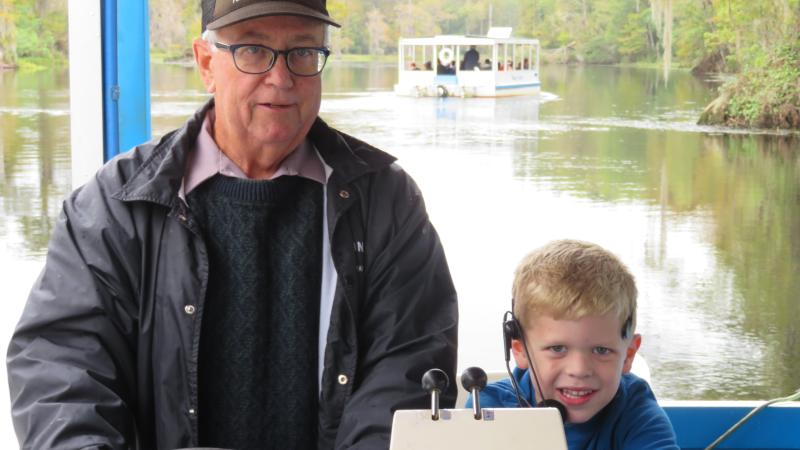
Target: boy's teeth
{"points": [[571, 393]]}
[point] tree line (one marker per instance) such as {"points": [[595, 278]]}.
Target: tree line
{"points": [[714, 35]]}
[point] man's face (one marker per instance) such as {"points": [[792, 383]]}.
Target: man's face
{"points": [[578, 362], [272, 111]]}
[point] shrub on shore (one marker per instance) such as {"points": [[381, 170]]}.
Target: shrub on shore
{"points": [[766, 95]]}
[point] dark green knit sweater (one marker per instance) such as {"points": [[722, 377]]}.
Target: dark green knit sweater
{"points": [[258, 343]]}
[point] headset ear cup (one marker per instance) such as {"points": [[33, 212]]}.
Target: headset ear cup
{"points": [[507, 331], [510, 331], [513, 328], [626, 327]]}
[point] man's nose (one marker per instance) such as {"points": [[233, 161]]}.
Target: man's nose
{"points": [[279, 75]]}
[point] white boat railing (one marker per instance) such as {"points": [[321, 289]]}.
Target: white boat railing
{"points": [[437, 66]]}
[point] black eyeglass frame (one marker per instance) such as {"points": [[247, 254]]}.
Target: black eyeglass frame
{"points": [[275, 53]]}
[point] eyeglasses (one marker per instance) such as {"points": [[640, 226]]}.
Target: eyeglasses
{"points": [[257, 59]]}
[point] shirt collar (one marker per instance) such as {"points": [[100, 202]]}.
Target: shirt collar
{"points": [[208, 160]]}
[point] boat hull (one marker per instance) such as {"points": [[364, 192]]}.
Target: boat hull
{"points": [[454, 90], [468, 84], [698, 423]]}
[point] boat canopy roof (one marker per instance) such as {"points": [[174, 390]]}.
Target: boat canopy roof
{"points": [[449, 39]]}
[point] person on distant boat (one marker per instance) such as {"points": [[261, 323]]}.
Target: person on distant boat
{"points": [[572, 335], [487, 64], [413, 66], [472, 59], [254, 279], [445, 69]]}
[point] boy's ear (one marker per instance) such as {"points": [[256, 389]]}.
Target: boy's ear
{"points": [[630, 352], [518, 350], [202, 57]]}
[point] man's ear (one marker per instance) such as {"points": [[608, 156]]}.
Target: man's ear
{"points": [[630, 352], [202, 57], [518, 350]]}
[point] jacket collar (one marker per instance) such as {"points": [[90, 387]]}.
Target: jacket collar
{"points": [[349, 157], [158, 178]]}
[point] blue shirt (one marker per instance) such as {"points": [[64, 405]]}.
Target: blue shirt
{"points": [[632, 421]]}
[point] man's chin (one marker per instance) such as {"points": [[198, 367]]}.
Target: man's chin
{"points": [[273, 137]]}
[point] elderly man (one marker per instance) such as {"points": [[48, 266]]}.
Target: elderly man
{"points": [[255, 279]]}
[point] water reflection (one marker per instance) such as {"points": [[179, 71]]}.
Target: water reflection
{"points": [[707, 219], [34, 145]]}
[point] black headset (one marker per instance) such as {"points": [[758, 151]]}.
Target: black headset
{"points": [[513, 330]]}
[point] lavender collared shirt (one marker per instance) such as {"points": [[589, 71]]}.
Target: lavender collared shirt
{"points": [[305, 161], [208, 160]]}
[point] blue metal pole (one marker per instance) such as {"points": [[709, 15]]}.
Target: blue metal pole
{"points": [[110, 81], [133, 68], [126, 79]]}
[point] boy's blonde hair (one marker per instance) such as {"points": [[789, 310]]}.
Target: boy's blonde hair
{"points": [[569, 279]]}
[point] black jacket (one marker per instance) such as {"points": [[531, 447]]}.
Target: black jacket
{"points": [[105, 354]]}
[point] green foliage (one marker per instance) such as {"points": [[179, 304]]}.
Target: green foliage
{"points": [[39, 37], [33, 40], [691, 27], [55, 24], [770, 83], [192, 18], [600, 51], [632, 41], [745, 30]]}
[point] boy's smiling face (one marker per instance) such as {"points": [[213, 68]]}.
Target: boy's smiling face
{"points": [[578, 362]]}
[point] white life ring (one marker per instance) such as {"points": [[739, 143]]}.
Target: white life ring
{"points": [[446, 55]]}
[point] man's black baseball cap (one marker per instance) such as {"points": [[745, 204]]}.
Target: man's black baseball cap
{"points": [[221, 13]]}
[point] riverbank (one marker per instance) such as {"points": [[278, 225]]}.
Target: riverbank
{"points": [[764, 96], [35, 64]]}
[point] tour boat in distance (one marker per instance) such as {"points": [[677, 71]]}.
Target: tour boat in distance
{"points": [[495, 65]]}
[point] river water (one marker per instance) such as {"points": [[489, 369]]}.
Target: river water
{"points": [[707, 219]]}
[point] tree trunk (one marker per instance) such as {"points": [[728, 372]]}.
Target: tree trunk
{"points": [[662, 19], [8, 36], [651, 41], [585, 12], [787, 18], [657, 14], [667, 38], [797, 22]]}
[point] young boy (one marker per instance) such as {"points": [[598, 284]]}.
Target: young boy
{"points": [[575, 306]]}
